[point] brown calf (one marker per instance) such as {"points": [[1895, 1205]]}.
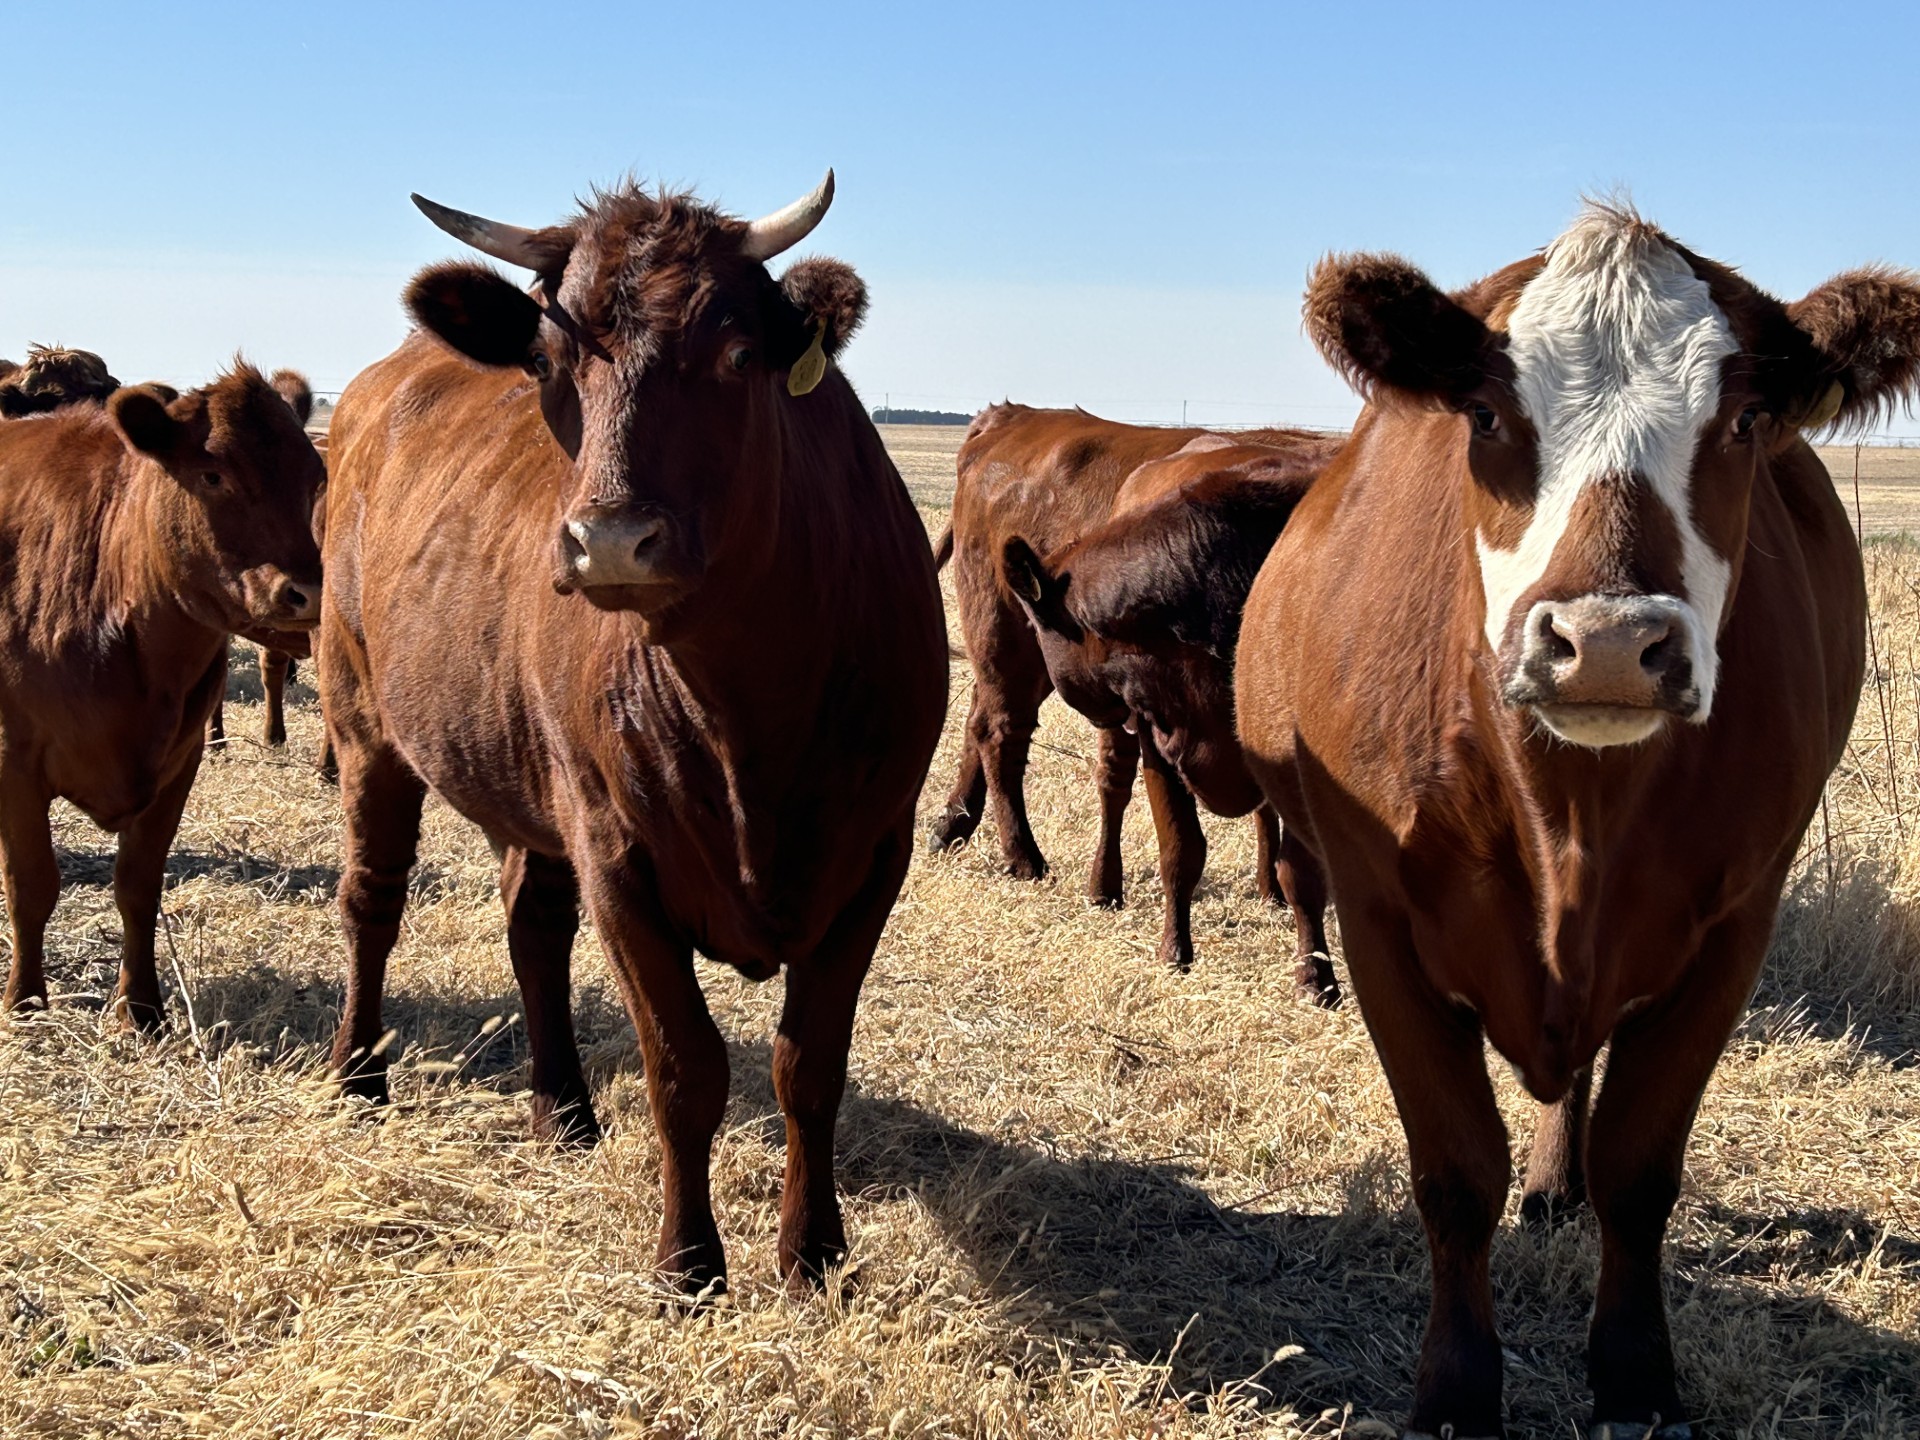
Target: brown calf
{"points": [[277, 661], [1137, 620], [625, 574], [1550, 668], [139, 534], [1047, 476]]}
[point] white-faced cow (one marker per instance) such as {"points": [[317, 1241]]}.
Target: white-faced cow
{"points": [[1551, 667]]}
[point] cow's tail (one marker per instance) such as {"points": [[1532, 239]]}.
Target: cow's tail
{"points": [[943, 548]]}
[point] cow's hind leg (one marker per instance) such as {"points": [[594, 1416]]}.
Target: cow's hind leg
{"points": [[1114, 770], [1556, 1184], [381, 797], [810, 1065], [1266, 838], [1457, 1152], [1183, 852], [543, 913], [1303, 883], [685, 1058], [1009, 681], [276, 668], [139, 873], [967, 801], [217, 719], [32, 880], [1658, 1064]]}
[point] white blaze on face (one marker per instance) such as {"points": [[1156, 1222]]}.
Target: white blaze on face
{"points": [[1617, 348]]}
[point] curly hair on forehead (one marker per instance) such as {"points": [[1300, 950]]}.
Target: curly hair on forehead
{"points": [[659, 257]]}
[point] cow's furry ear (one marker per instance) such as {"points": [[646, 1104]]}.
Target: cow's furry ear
{"points": [[293, 388], [476, 311], [1386, 327], [146, 418], [1042, 593], [1865, 327], [828, 294]]}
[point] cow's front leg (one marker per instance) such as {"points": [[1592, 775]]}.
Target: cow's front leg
{"points": [[685, 1058], [1658, 1065], [810, 1063], [1183, 852], [1457, 1151], [543, 913], [139, 872], [31, 875]]}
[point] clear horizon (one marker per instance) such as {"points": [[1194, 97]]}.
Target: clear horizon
{"points": [[1116, 212]]}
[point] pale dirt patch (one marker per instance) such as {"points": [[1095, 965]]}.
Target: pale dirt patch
{"points": [[1086, 1196]]}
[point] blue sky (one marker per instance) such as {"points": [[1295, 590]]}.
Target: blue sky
{"points": [[1109, 205]]}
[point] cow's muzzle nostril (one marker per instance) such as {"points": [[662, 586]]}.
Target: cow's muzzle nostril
{"points": [[1554, 644], [296, 600], [1613, 653], [615, 548]]}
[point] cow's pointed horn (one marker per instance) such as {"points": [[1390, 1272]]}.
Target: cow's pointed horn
{"points": [[503, 242], [782, 230]]}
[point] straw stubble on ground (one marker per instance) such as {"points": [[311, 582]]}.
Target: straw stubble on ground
{"points": [[1086, 1196]]}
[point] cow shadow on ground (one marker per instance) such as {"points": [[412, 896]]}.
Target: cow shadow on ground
{"points": [[1095, 1256], [93, 869]]}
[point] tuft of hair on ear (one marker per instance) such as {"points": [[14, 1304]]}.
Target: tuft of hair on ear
{"points": [[1380, 322], [1866, 326], [827, 291], [475, 311], [293, 388]]}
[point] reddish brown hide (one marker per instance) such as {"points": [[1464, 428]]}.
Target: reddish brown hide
{"points": [[52, 376], [1495, 883], [277, 661], [1047, 476], [142, 533], [669, 633], [1137, 621]]}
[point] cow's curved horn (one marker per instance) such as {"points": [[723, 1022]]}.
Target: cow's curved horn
{"points": [[503, 242], [782, 230]]}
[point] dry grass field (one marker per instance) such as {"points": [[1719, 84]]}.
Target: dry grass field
{"points": [[1086, 1196]]}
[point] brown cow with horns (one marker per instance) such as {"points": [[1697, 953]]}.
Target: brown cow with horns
{"points": [[1551, 667], [687, 659]]}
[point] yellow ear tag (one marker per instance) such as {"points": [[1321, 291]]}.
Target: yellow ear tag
{"points": [[1826, 409], [811, 368]]}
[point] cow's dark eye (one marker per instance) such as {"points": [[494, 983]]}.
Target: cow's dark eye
{"points": [[1485, 420], [541, 365], [212, 481], [1745, 421], [739, 357]]}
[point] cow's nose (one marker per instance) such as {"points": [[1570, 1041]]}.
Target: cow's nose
{"points": [[616, 547], [1607, 650], [297, 600]]}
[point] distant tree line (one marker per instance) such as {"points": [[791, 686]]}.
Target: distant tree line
{"points": [[897, 416]]}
